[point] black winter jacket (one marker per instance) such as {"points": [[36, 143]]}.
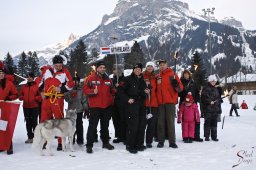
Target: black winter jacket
{"points": [[209, 94], [189, 86], [133, 88]]}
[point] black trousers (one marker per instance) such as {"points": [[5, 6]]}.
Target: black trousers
{"points": [[119, 120], [31, 118], [136, 124], [210, 125], [233, 107], [79, 128], [104, 116], [151, 124], [197, 130]]}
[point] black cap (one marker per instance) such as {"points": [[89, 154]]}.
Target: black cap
{"points": [[100, 63], [57, 59], [138, 65], [161, 61], [31, 74]]}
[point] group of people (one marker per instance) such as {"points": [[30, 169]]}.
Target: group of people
{"points": [[141, 105]]}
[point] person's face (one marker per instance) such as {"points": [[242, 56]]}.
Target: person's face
{"points": [[1, 75], [186, 76], [162, 66], [30, 79], [101, 69], [213, 83], [149, 68], [58, 66], [137, 71]]}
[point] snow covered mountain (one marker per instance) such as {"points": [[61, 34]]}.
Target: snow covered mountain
{"points": [[164, 26], [49, 51]]}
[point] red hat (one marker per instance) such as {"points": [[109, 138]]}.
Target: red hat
{"points": [[189, 98]]}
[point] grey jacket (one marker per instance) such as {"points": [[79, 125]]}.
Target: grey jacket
{"points": [[76, 99]]}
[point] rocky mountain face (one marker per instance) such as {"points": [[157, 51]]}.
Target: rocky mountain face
{"points": [[46, 53], [164, 26]]}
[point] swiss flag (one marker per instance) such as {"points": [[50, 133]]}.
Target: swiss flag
{"points": [[8, 116]]}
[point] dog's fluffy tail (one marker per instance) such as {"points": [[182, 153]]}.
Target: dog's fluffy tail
{"points": [[37, 136]]}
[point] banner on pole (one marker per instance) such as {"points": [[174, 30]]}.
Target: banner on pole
{"points": [[8, 117], [115, 50]]}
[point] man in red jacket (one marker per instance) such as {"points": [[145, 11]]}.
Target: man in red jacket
{"points": [[7, 92], [31, 97], [56, 80], [98, 89], [168, 86]]}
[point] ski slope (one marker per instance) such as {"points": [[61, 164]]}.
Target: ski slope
{"points": [[237, 137]]}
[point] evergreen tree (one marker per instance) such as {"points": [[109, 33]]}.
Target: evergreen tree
{"points": [[33, 63], [23, 65], [198, 70], [94, 54], [9, 64], [110, 61], [136, 56], [79, 60]]}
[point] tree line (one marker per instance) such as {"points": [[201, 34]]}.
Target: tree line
{"points": [[80, 62]]}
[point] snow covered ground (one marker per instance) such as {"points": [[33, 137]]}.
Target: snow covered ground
{"points": [[236, 139]]}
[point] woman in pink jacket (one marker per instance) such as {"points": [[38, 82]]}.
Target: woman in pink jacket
{"points": [[188, 115]]}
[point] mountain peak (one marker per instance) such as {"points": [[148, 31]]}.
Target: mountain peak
{"points": [[231, 21]]}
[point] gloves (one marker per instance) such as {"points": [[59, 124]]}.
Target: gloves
{"points": [[174, 83]]}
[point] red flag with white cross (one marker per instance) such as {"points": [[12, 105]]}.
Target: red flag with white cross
{"points": [[8, 117]]}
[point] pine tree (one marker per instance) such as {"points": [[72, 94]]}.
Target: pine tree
{"points": [[22, 65], [78, 60], [94, 54], [33, 63], [198, 70], [136, 56], [109, 61], [8, 62]]}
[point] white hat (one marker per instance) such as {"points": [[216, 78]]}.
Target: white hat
{"points": [[150, 63], [212, 78]]}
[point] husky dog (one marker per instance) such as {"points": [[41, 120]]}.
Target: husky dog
{"points": [[46, 131]]}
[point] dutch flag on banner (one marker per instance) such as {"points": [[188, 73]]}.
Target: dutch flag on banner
{"points": [[105, 50]]}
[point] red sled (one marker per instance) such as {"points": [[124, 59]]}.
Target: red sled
{"points": [[8, 117]]}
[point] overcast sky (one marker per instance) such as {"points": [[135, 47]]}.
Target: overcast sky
{"points": [[33, 24]]}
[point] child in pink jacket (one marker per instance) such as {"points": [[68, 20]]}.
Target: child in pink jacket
{"points": [[188, 115]]}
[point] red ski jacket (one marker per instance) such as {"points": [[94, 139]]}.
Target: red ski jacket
{"points": [[244, 106], [60, 79], [150, 79], [166, 93], [104, 97], [30, 95], [9, 91]]}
